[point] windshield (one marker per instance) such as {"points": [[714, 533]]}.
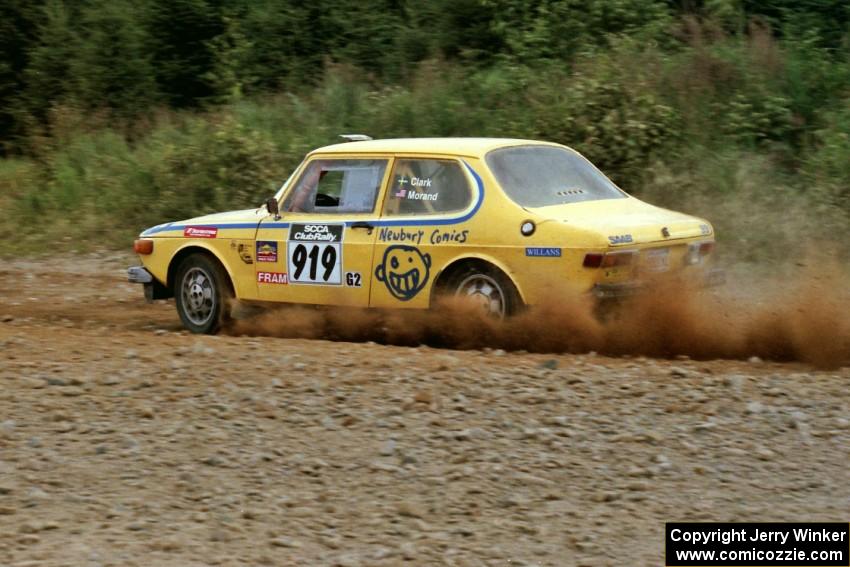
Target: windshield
{"points": [[539, 176]]}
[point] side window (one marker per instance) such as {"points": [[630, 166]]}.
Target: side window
{"points": [[337, 186], [427, 187]]}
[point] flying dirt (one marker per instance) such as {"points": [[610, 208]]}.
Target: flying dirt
{"points": [[804, 320], [124, 440]]}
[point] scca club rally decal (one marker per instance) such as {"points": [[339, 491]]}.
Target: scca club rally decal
{"points": [[314, 254], [266, 251], [404, 270], [272, 278], [200, 232]]}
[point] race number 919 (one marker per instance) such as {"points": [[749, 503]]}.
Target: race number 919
{"points": [[314, 263]]}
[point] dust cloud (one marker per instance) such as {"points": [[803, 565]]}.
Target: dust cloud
{"points": [[805, 318]]}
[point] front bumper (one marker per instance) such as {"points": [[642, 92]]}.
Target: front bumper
{"points": [[138, 274], [713, 278], [153, 289]]}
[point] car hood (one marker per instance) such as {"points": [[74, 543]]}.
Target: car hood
{"points": [[246, 216], [628, 221]]}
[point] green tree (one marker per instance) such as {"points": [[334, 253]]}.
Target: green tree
{"points": [[48, 77], [111, 65], [180, 35], [558, 29], [17, 34]]}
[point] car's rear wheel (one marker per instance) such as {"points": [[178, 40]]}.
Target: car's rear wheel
{"points": [[202, 294], [487, 288]]}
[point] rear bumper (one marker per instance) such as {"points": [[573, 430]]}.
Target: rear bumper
{"points": [[713, 278], [153, 289]]}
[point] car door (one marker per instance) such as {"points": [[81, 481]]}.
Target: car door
{"points": [[320, 249], [424, 224]]}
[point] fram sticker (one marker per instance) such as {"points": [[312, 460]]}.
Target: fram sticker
{"points": [[404, 270], [266, 251], [543, 252], [272, 278], [200, 232]]}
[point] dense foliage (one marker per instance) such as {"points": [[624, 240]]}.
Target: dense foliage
{"points": [[119, 114]]}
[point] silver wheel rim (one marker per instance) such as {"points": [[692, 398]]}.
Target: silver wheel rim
{"points": [[485, 292], [198, 296]]}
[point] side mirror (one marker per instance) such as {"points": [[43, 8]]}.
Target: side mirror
{"points": [[272, 207]]}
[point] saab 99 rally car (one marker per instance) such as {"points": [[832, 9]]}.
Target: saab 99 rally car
{"points": [[396, 223]]}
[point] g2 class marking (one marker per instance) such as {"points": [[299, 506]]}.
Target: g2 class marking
{"points": [[353, 279]]}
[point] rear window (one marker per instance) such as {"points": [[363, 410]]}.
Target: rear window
{"points": [[540, 176]]}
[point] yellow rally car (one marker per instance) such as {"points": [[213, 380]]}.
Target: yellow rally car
{"points": [[394, 223]]}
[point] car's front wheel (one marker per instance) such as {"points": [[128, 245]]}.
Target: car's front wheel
{"points": [[488, 288], [202, 294]]}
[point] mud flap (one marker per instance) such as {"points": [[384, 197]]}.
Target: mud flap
{"points": [[155, 290]]}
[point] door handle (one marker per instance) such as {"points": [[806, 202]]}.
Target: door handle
{"points": [[363, 224]]}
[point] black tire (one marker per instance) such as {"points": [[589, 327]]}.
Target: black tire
{"points": [[202, 294], [489, 285]]}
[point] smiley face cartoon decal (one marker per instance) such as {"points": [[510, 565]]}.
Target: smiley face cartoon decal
{"points": [[404, 270]]}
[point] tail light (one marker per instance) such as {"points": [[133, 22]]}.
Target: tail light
{"points": [[609, 260], [143, 246], [696, 251]]}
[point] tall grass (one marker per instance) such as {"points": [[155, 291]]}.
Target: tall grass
{"points": [[750, 133]]}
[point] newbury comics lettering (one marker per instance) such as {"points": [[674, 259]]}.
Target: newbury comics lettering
{"points": [[400, 235], [457, 236], [437, 236]]}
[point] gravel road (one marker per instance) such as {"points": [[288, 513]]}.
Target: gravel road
{"points": [[125, 441]]}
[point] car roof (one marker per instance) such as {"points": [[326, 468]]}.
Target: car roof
{"points": [[471, 147]]}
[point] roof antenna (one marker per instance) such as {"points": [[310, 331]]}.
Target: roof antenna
{"points": [[355, 137]]}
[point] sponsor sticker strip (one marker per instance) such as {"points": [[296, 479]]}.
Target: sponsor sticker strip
{"points": [[200, 232]]}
